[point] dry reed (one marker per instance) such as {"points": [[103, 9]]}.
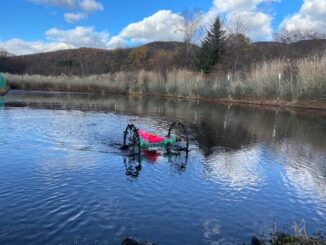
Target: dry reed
{"points": [[299, 80]]}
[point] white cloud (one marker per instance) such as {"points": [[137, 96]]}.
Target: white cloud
{"points": [[312, 15], [91, 6], [21, 47], [60, 3], [116, 42], [59, 39], [87, 6], [258, 24], [79, 37], [158, 27], [161, 26], [74, 17], [224, 6]]}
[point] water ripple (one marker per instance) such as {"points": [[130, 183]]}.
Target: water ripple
{"points": [[62, 175]]}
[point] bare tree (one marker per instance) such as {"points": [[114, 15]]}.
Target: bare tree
{"points": [[236, 25], [4, 53], [289, 36], [237, 41], [189, 26]]}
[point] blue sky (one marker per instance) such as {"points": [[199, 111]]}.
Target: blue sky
{"points": [[30, 26]]}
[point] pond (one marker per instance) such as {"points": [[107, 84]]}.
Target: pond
{"points": [[64, 179]]}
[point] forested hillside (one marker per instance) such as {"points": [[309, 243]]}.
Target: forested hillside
{"points": [[158, 56]]}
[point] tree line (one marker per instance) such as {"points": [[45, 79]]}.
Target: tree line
{"points": [[225, 44]]}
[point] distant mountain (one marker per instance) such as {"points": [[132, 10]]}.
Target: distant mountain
{"points": [[152, 56], [265, 51], [295, 50], [85, 61]]}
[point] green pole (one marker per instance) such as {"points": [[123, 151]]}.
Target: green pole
{"points": [[3, 83]]}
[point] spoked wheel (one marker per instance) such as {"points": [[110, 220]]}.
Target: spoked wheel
{"points": [[179, 132], [131, 141], [133, 166], [178, 161]]}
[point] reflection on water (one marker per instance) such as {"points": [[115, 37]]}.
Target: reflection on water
{"points": [[133, 166], [239, 170], [63, 175], [177, 161], [308, 179]]}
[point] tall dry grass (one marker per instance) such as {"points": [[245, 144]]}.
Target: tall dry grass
{"points": [[300, 79], [312, 78]]}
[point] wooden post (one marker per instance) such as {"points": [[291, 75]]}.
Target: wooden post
{"points": [[229, 86], [279, 85]]}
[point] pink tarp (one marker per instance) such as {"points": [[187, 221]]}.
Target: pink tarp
{"points": [[150, 138]]}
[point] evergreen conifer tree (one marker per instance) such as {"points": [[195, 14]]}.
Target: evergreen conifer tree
{"points": [[212, 47]]}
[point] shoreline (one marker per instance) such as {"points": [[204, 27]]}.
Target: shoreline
{"points": [[264, 85], [317, 105]]}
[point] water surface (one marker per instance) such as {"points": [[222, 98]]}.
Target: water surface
{"points": [[63, 179]]}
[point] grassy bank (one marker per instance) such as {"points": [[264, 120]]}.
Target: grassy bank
{"points": [[295, 235], [275, 82]]}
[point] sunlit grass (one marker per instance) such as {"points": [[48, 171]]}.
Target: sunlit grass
{"points": [[270, 80]]}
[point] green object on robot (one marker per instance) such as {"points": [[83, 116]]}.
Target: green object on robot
{"points": [[166, 142]]}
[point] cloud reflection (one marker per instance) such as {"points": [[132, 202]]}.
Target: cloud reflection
{"points": [[236, 170], [305, 170]]}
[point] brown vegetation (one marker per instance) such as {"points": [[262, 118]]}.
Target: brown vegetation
{"points": [[265, 73], [289, 36], [295, 235], [159, 56], [89, 61], [301, 80]]}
